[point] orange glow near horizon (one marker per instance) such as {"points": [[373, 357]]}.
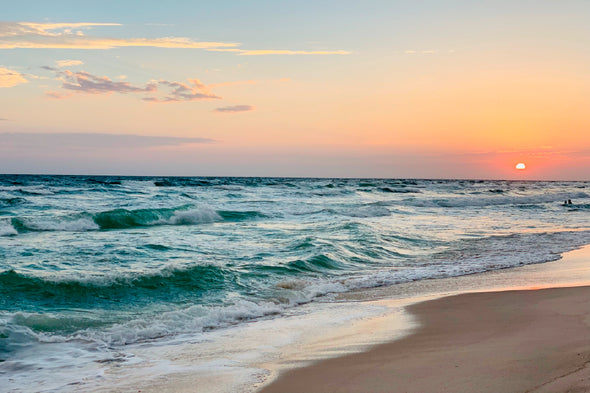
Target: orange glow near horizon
{"points": [[442, 94]]}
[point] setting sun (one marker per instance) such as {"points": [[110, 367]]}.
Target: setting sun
{"points": [[520, 165]]}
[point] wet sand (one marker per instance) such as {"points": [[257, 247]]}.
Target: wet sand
{"points": [[510, 341], [524, 330]]}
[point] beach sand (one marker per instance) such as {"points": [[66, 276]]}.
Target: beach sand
{"points": [[510, 341]]}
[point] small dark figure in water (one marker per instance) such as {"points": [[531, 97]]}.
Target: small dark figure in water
{"points": [[569, 201]]}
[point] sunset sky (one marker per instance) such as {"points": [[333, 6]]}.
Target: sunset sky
{"points": [[420, 89]]}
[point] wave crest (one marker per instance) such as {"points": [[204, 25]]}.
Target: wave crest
{"points": [[6, 229], [124, 219], [19, 290]]}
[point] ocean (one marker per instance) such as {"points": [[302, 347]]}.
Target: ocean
{"points": [[93, 267]]}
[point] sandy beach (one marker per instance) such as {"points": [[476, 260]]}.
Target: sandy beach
{"points": [[511, 341]]}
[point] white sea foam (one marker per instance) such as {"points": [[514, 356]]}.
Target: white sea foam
{"points": [[229, 187], [366, 211], [306, 248], [480, 256], [47, 363], [496, 200], [227, 360], [194, 320], [487, 254], [6, 228], [135, 184], [490, 254], [473, 257], [82, 224], [28, 190], [202, 215]]}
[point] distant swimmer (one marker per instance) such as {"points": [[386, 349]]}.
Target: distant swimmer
{"points": [[569, 201]]}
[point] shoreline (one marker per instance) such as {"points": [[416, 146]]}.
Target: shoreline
{"points": [[260, 354], [506, 336], [510, 341]]}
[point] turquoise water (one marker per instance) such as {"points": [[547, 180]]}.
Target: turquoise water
{"points": [[91, 264]]}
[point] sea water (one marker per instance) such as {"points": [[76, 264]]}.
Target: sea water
{"points": [[92, 266]]}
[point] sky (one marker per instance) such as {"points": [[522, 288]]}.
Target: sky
{"points": [[388, 89]]}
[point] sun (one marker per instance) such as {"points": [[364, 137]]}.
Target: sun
{"points": [[520, 166]]}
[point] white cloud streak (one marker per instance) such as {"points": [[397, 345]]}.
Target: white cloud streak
{"points": [[266, 52], [71, 36]]}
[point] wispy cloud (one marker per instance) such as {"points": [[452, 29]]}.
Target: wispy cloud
{"points": [[9, 78], [192, 91], [48, 29], [160, 91], [264, 52], [68, 63], [234, 109], [71, 36], [85, 82], [90, 141]]}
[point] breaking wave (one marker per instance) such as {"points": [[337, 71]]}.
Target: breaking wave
{"points": [[124, 219], [24, 290]]}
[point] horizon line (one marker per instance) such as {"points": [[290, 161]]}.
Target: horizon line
{"points": [[295, 177]]}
